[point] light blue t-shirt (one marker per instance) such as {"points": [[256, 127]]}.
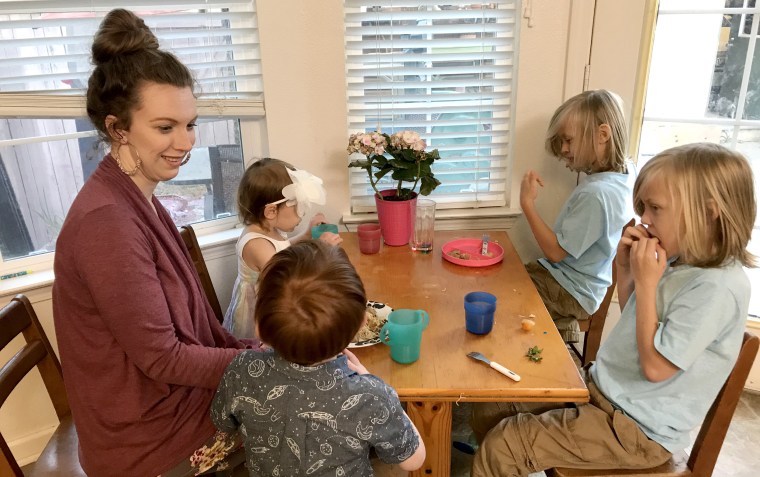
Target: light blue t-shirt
{"points": [[702, 314], [588, 228]]}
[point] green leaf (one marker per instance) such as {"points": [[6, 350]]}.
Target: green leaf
{"points": [[400, 164], [404, 175], [428, 185], [534, 354], [363, 163]]}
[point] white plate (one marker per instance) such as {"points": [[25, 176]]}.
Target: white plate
{"points": [[382, 311]]}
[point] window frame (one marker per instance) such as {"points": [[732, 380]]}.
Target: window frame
{"points": [[450, 208], [246, 108]]}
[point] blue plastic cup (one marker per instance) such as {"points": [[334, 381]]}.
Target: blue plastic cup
{"points": [[479, 308], [318, 230]]}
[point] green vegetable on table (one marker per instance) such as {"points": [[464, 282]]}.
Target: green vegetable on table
{"points": [[534, 354]]}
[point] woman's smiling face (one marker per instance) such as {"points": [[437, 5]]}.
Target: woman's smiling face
{"points": [[161, 134]]}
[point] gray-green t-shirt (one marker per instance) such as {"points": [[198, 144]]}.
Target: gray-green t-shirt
{"points": [[310, 420]]}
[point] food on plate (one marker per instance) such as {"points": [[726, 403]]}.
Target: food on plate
{"points": [[371, 328], [527, 324], [456, 253]]}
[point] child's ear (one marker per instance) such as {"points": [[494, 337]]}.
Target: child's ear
{"points": [[603, 133], [712, 209], [270, 212]]}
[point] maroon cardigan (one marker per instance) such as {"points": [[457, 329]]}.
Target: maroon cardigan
{"points": [[141, 349]]}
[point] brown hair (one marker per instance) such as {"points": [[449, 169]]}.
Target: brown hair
{"points": [[702, 179], [126, 56], [584, 113], [261, 184], [310, 302]]}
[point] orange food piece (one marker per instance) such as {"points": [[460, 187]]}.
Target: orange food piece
{"points": [[527, 324]]}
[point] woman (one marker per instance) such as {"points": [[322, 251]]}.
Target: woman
{"points": [[141, 349]]}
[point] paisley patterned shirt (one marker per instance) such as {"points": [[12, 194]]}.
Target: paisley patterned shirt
{"points": [[310, 420]]}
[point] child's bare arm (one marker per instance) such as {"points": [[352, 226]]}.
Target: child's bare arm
{"points": [[545, 236], [330, 238], [647, 262], [257, 252], [416, 460]]}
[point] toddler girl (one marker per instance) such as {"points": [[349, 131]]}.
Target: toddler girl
{"points": [[588, 133], [684, 298], [273, 197]]}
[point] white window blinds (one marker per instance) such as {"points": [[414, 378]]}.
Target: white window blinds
{"points": [[46, 47], [445, 71]]}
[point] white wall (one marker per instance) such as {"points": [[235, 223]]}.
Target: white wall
{"points": [[302, 60]]}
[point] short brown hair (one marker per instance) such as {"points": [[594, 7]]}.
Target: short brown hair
{"points": [[697, 176], [584, 113], [310, 302], [261, 184]]}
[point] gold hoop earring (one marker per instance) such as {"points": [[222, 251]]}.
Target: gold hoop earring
{"points": [[138, 162], [186, 159]]}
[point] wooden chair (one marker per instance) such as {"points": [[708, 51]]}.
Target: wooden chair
{"points": [[706, 448], [61, 455], [594, 326], [191, 242]]}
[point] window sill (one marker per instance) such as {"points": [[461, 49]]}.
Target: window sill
{"points": [[214, 245], [487, 218]]}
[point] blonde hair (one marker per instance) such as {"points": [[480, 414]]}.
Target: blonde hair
{"points": [[584, 113], [703, 180]]}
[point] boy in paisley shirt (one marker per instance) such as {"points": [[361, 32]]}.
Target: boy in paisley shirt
{"points": [[307, 406]]}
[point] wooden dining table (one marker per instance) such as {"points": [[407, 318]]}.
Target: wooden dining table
{"points": [[444, 375]]}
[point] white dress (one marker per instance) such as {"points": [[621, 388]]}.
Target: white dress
{"points": [[239, 317]]}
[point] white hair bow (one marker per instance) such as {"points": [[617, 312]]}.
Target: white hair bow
{"points": [[305, 191]]}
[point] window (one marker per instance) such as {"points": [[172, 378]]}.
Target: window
{"points": [[48, 147], [445, 71], [709, 91]]}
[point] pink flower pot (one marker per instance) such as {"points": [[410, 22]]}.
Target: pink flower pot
{"points": [[395, 218]]}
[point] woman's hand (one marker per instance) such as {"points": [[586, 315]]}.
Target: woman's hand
{"points": [[531, 181], [330, 238], [353, 363]]}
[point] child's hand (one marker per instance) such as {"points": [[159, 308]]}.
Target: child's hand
{"points": [[648, 261], [529, 187], [353, 363], [330, 238], [630, 235], [317, 219]]}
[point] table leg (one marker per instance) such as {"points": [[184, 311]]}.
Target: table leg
{"points": [[433, 420]]}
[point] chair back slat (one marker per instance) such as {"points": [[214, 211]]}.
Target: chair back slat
{"points": [[18, 367], [19, 317], [196, 255], [13, 320], [704, 453]]}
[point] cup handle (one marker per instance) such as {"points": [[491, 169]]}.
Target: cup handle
{"points": [[385, 334], [424, 318]]}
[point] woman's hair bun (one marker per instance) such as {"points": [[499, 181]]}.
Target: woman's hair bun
{"points": [[121, 33]]}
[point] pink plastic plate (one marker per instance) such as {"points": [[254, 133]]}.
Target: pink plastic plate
{"points": [[470, 248]]}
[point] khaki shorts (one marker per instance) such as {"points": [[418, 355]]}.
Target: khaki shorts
{"points": [[583, 436], [562, 306]]}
